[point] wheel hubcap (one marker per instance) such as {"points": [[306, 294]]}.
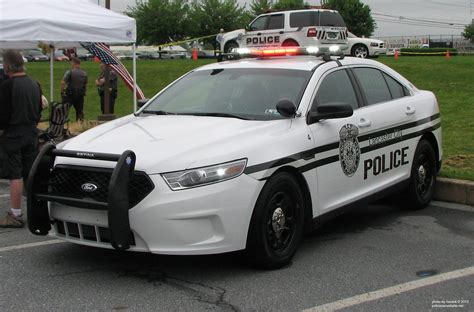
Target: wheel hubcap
{"points": [[281, 221], [278, 222], [361, 52], [424, 178]]}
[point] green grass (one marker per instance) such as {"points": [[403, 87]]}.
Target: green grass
{"points": [[451, 80], [152, 76]]}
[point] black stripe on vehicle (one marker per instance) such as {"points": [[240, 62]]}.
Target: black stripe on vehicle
{"points": [[368, 136], [402, 138], [324, 148], [367, 149]]}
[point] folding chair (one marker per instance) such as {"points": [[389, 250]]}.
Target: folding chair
{"points": [[58, 124]]}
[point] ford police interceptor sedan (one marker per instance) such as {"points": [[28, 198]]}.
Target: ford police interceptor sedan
{"points": [[241, 155]]}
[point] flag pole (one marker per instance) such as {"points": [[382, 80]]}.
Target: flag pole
{"points": [[51, 73], [134, 78]]}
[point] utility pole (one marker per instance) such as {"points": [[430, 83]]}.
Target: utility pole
{"points": [[107, 115]]}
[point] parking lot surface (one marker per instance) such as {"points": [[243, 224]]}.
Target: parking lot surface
{"points": [[374, 258]]}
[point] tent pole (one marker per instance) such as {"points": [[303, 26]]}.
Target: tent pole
{"points": [[51, 76], [134, 78]]}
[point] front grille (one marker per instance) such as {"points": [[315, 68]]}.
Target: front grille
{"points": [[86, 232], [67, 181]]}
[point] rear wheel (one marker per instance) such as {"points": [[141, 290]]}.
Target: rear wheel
{"points": [[229, 46], [360, 50], [290, 43], [277, 223], [423, 176]]}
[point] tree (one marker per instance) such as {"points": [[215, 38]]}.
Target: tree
{"points": [[469, 32], [282, 5], [355, 14], [160, 21], [258, 7], [209, 16]]}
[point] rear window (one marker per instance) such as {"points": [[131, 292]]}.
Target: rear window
{"points": [[331, 19], [311, 18]]}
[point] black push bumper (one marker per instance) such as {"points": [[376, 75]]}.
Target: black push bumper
{"points": [[117, 205]]}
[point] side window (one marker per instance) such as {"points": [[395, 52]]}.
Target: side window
{"points": [[276, 22], [259, 23], [336, 88], [302, 19], [373, 85], [396, 89]]}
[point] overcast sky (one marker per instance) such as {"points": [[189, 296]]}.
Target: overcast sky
{"points": [[399, 17]]}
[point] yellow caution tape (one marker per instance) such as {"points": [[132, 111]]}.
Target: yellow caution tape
{"points": [[183, 41], [425, 53]]}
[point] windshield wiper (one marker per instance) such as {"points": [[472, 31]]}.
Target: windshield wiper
{"points": [[158, 112], [216, 115]]}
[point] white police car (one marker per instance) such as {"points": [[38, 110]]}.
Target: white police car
{"points": [[244, 154], [364, 47], [314, 27]]}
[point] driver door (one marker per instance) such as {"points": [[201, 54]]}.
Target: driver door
{"points": [[338, 168], [265, 31]]}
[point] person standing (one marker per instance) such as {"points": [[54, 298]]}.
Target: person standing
{"points": [[100, 83], [73, 87], [20, 112]]}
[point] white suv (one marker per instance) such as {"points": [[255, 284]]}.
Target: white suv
{"points": [[321, 28]]}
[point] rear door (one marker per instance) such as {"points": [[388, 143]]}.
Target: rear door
{"points": [[265, 31], [386, 154]]}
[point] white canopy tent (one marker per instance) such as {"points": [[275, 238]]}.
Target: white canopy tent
{"points": [[63, 24]]}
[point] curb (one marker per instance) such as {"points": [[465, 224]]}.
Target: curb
{"points": [[454, 191]]}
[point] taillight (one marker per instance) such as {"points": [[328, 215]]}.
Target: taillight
{"points": [[312, 32]]}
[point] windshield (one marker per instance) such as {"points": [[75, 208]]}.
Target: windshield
{"points": [[250, 93], [34, 52]]}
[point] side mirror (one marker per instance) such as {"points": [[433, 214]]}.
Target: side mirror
{"points": [[330, 111], [142, 102], [248, 28], [286, 108]]}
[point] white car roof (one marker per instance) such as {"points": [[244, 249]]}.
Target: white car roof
{"points": [[300, 62]]}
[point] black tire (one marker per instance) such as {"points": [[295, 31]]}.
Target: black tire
{"points": [[360, 50], [229, 46], [277, 223], [422, 178], [290, 43]]}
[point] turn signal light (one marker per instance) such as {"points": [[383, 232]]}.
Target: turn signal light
{"points": [[312, 32]]}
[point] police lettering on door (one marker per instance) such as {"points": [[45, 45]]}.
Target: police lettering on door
{"points": [[263, 40], [386, 162]]}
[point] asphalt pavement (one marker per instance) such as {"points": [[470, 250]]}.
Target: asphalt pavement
{"points": [[374, 258]]}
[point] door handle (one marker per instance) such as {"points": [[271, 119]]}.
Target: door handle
{"points": [[364, 123], [259, 34], [409, 110], [281, 32]]}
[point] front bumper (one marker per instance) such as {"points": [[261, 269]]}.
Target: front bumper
{"points": [[202, 220]]}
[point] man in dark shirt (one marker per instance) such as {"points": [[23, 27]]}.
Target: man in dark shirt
{"points": [[73, 87], [100, 83], [20, 109]]}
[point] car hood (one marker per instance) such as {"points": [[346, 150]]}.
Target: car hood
{"points": [[171, 143], [233, 34]]}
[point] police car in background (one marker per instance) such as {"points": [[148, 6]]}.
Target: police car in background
{"points": [[245, 154], [315, 27], [364, 47]]}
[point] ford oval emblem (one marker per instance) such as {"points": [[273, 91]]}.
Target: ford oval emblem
{"points": [[89, 187]]}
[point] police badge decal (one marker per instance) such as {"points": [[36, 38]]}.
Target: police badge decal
{"points": [[349, 150]]}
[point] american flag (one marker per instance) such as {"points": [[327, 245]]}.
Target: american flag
{"points": [[106, 56]]}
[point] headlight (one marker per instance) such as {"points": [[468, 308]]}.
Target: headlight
{"points": [[181, 180], [374, 44]]}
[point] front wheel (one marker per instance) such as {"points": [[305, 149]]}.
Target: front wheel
{"points": [[360, 50], [423, 176], [277, 223], [229, 46]]}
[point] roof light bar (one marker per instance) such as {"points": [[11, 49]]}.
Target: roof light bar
{"points": [[285, 51]]}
